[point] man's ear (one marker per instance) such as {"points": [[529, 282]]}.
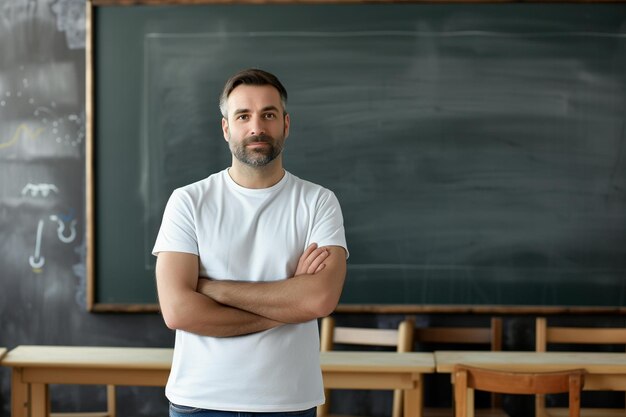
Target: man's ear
{"points": [[225, 129], [287, 123]]}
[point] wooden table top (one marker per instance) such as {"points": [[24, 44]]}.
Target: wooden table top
{"points": [[592, 362], [161, 359], [96, 357], [348, 361]]}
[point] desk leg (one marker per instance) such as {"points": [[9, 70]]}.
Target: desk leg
{"points": [[413, 399], [470, 402], [40, 400], [19, 394]]}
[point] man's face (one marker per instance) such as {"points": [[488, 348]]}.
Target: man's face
{"points": [[256, 128]]}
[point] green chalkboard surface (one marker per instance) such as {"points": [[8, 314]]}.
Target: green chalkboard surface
{"points": [[478, 150]]}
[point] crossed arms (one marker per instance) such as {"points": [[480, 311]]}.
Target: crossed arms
{"points": [[233, 308]]}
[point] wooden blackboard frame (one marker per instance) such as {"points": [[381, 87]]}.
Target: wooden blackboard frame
{"points": [[94, 305]]}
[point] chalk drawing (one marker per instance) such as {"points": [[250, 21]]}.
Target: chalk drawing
{"points": [[17, 11], [78, 123], [22, 131], [64, 129], [36, 189], [71, 20], [61, 229], [37, 261], [57, 124]]}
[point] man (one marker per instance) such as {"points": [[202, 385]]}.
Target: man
{"points": [[248, 259]]}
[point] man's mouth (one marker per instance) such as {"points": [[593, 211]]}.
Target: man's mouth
{"points": [[257, 144]]}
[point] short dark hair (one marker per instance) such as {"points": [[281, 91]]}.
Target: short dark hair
{"points": [[252, 76]]}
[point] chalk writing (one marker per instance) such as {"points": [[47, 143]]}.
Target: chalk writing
{"points": [[37, 261], [61, 229], [71, 20], [39, 189], [22, 131], [64, 129], [66, 232], [17, 12], [57, 124]]}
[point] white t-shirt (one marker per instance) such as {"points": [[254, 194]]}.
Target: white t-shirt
{"points": [[249, 235]]}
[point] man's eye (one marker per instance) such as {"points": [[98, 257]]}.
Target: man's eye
{"points": [[270, 116], [243, 117]]}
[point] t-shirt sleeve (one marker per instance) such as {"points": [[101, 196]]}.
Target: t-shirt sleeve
{"points": [[328, 229], [177, 232]]}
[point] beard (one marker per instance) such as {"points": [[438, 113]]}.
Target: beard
{"points": [[257, 157]]}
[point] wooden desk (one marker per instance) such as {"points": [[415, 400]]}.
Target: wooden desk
{"points": [[379, 370], [606, 371], [35, 367]]}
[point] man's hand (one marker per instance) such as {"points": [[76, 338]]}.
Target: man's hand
{"points": [[312, 260]]}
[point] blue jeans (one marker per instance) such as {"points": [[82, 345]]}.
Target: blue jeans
{"points": [[184, 411]]}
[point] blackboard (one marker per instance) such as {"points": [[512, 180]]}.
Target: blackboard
{"points": [[477, 150], [42, 206]]}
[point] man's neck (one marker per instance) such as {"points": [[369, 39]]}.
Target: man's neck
{"points": [[257, 177]]}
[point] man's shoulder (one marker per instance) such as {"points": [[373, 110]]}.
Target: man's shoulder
{"points": [[201, 187], [313, 194], [307, 186]]}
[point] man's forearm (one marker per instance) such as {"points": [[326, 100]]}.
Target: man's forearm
{"points": [[294, 300], [183, 308], [204, 316], [279, 300]]}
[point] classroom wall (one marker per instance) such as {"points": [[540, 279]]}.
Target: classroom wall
{"points": [[42, 202], [42, 215]]}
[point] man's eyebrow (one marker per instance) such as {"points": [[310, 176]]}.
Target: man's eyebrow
{"points": [[240, 111], [264, 109]]}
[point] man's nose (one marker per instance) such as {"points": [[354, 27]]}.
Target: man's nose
{"points": [[257, 127]]}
